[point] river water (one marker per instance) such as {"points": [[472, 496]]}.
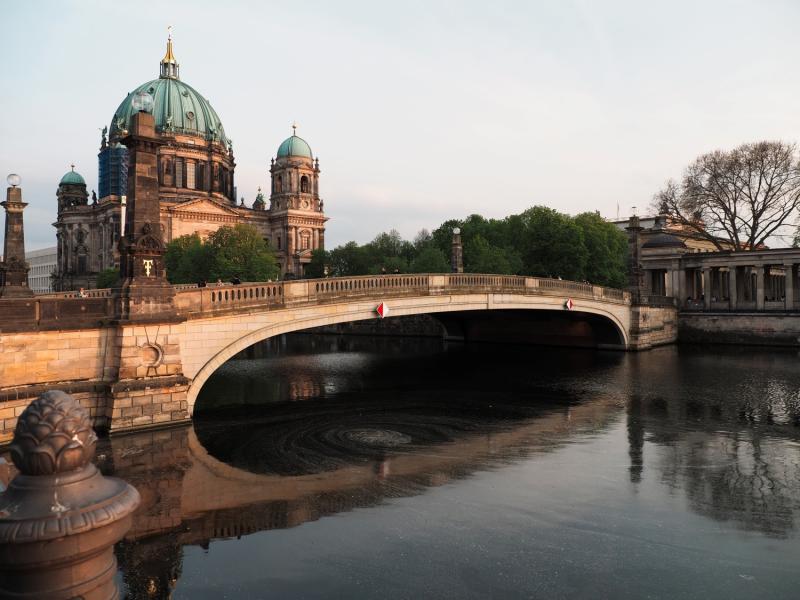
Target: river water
{"points": [[355, 467]]}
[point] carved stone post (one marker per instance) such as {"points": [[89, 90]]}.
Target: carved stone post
{"points": [[145, 293], [635, 272], [14, 269], [456, 253], [60, 518]]}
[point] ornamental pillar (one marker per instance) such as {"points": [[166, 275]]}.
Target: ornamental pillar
{"points": [[144, 293], [14, 269]]}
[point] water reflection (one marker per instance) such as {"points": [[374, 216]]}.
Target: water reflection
{"points": [[606, 441], [731, 444]]}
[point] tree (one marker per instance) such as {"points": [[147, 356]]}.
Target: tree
{"points": [[230, 251], [350, 259], [430, 260], [481, 257], [553, 245], [316, 268], [240, 251], [187, 259], [107, 278], [743, 196], [607, 249]]}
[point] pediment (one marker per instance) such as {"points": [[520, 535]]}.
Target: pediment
{"points": [[205, 206]]}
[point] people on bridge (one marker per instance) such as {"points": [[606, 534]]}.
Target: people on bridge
{"points": [[235, 280]]}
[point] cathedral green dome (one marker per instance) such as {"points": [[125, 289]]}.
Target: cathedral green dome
{"points": [[72, 178], [177, 107], [294, 146]]}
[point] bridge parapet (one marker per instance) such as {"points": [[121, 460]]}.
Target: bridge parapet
{"points": [[198, 302]]}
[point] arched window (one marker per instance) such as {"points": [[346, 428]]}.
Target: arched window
{"points": [[278, 184], [305, 240], [304, 184]]}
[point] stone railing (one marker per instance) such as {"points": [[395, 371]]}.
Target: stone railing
{"points": [[662, 301], [192, 299], [195, 302], [95, 293], [70, 310]]}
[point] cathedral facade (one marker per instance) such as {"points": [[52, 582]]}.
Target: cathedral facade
{"points": [[196, 186]]}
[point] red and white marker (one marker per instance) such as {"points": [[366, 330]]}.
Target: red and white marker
{"points": [[382, 309], [568, 304]]}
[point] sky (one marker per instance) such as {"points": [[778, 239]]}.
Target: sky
{"points": [[419, 111]]}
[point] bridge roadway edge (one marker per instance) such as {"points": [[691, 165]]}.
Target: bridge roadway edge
{"points": [[134, 376]]}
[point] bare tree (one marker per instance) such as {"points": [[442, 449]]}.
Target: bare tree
{"points": [[744, 196]]}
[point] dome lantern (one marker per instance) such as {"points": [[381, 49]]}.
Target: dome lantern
{"points": [[169, 66]]}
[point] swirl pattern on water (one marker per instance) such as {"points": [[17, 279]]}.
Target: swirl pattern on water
{"points": [[316, 436]]}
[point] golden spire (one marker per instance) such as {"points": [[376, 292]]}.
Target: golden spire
{"points": [[169, 66], [169, 57]]}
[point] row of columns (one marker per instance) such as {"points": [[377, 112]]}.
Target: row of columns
{"points": [[734, 287]]}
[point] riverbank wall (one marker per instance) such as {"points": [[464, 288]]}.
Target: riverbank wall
{"points": [[762, 329]]}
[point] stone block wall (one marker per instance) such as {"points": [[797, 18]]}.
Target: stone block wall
{"points": [[653, 326], [740, 328]]}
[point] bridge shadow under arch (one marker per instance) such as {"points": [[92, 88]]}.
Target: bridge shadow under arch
{"points": [[587, 328]]}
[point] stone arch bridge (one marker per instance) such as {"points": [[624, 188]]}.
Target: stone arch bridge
{"points": [[148, 373]]}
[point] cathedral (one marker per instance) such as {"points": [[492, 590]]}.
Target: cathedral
{"points": [[196, 186]]}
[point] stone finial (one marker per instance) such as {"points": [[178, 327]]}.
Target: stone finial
{"points": [[59, 517], [54, 435]]}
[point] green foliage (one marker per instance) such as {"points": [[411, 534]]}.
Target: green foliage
{"points": [[430, 260], [481, 257], [554, 245], [539, 242], [240, 251], [607, 248], [107, 278], [187, 259], [230, 251], [316, 268], [350, 259]]}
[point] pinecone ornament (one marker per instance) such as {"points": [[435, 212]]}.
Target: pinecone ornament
{"points": [[54, 435]]}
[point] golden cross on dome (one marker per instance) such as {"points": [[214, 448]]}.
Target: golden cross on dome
{"points": [[169, 32], [294, 127]]}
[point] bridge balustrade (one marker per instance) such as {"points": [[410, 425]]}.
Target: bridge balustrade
{"points": [[366, 285], [94, 293], [486, 281], [193, 299], [70, 309]]}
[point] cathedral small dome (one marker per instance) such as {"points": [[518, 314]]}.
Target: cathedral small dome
{"points": [[294, 146], [72, 178]]}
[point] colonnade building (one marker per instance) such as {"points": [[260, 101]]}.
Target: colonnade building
{"points": [[760, 280], [196, 169]]}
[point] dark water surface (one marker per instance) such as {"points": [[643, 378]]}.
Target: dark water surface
{"points": [[390, 468]]}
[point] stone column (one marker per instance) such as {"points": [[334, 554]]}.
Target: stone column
{"points": [[635, 274], [789, 294], [707, 287], [14, 269], [456, 253], [732, 288], [145, 293], [759, 291]]}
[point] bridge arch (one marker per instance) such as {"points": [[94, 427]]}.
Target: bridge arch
{"points": [[364, 310]]}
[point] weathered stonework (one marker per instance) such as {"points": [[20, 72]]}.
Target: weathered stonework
{"points": [[740, 328], [136, 374]]}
